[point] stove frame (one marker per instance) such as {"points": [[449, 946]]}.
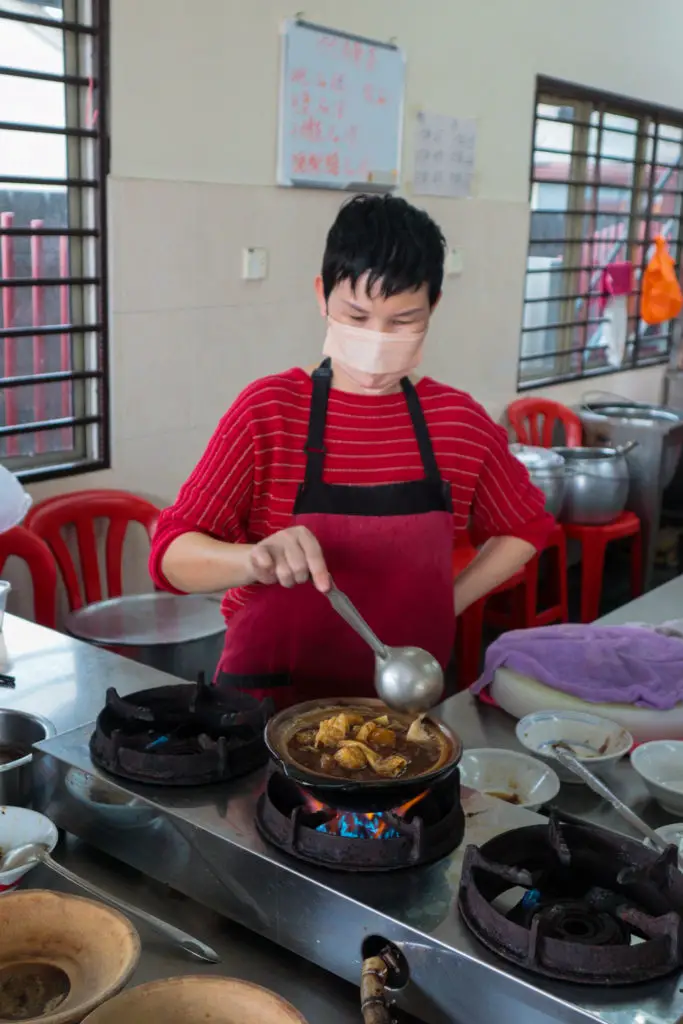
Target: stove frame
{"points": [[204, 843]]}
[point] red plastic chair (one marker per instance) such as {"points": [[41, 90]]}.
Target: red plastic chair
{"points": [[520, 595], [79, 511], [21, 543], [533, 421]]}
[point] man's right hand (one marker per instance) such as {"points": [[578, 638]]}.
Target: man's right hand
{"points": [[289, 557]]}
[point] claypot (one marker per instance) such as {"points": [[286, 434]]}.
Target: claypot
{"points": [[206, 998], [62, 955]]}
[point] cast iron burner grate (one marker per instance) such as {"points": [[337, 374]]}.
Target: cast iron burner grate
{"points": [[576, 902], [422, 831], [185, 735]]}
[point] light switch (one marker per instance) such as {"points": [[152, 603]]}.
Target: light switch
{"points": [[254, 264], [454, 263]]}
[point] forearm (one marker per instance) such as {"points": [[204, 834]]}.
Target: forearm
{"points": [[197, 564], [498, 560]]}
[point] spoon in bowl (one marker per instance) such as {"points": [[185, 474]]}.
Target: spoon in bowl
{"points": [[36, 853], [406, 678]]}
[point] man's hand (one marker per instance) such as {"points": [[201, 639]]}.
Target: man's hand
{"points": [[289, 557]]}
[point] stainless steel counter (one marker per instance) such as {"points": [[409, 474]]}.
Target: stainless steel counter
{"points": [[319, 996], [64, 679]]}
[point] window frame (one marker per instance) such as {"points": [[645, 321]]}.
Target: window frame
{"points": [[587, 103], [87, 280]]}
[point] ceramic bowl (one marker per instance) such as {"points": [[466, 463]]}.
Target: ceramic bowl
{"points": [[197, 998], [63, 954], [660, 766], [19, 826], [597, 741], [510, 776]]}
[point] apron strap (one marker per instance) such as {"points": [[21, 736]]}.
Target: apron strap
{"points": [[424, 442], [315, 441]]}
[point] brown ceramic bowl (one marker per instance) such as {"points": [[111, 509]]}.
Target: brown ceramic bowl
{"points": [[209, 999], [61, 956]]}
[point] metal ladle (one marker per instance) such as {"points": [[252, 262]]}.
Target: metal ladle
{"points": [[36, 853], [566, 756], [406, 678]]}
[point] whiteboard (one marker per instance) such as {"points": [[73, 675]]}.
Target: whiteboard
{"points": [[341, 110]]}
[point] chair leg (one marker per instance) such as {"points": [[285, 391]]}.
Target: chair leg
{"points": [[637, 564], [562, 588], [530, 593], [592, 569], [469, 644]]}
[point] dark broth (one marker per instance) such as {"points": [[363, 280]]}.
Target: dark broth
{"points": [[10, 752], [421, 757]]}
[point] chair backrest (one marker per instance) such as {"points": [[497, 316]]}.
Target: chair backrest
{"points": [[79, 511], [534, 421], [21, 543]]}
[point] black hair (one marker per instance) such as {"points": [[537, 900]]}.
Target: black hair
{"points": [[397, 245]]}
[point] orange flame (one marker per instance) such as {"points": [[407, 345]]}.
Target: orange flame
{"points": [[376, 830]]}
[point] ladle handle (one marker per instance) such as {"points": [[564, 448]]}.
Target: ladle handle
{"points": [[571, 762], [187, 942], [353, 618]]}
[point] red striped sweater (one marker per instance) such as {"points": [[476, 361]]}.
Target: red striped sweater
{"points": [[245, 485]]}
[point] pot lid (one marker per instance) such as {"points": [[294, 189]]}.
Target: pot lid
{"points": [[537, 459], [634, 411]]}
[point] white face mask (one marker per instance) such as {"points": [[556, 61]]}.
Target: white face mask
{"points": [[14, 500]]}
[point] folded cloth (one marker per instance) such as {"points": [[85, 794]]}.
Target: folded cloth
{"points": [[600, 664]]}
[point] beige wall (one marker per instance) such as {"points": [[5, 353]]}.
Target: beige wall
{"points": [[194, 106]]}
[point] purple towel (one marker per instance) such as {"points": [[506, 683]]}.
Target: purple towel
{"points": [[601, 664]]}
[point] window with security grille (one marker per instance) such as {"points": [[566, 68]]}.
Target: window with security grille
{"points": [[605, 182], [53, 306]]}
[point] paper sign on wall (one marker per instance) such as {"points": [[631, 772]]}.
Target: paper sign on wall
{"points": [[445, 150]]}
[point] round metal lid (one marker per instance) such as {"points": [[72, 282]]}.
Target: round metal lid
{"points": [[540, 460], [147, 619], [626, 411]]}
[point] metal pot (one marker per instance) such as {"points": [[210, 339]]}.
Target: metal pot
{"points": [[19, 731], [547, 470], [596, 484]]}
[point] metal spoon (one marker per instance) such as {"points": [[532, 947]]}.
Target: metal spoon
{"points": [[406, 678], [33, 853], [566, 757]]}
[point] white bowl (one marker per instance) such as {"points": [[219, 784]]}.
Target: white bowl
{"points": [[660, 766], [19, 826], [510, 776], [597, 741]]}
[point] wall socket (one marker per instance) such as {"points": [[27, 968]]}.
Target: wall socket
{"points": [[254, 264]]}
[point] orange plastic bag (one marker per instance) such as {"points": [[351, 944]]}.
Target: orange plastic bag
{"points": [[661, 298]]}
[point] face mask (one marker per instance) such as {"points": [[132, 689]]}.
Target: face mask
{"points": [[375, 361], [14, 501]]}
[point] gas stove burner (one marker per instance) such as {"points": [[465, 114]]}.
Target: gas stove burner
{"points": [[423, 830], [185, 735], [576, 903]]}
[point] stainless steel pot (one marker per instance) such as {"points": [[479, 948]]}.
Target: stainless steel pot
{"points": [[18, 732], [547, 470], [596, 484]]}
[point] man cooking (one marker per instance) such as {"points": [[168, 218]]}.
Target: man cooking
{"points": [[357, 470]]}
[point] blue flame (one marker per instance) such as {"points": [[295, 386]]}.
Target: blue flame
{"points": [[352, 825]]}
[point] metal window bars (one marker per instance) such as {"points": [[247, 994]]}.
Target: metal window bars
{"points": [[54, 387], [606, 178]]}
